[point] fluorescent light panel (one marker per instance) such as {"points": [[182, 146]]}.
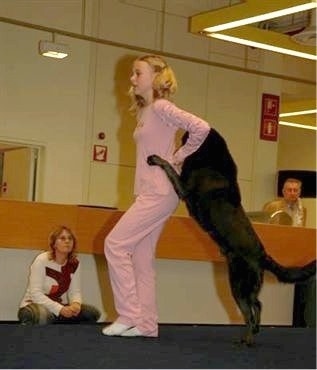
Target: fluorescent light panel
{"points": [[299, 113], [262, 17], [53, 49], [54, 54], [298, 125], [262, 46]]}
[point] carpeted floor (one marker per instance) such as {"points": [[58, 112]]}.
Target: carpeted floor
{"points": [[179, 346]]}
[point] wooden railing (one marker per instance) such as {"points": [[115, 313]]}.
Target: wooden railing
{"points": [[27, 225]]}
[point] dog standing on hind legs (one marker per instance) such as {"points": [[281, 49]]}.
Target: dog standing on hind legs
{"points": [[208, 186]]}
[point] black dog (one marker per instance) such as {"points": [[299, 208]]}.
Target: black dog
{"points": [[208, 185]]}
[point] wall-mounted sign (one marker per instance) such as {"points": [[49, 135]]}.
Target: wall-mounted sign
{"points": [[100, 153], [269, 117]]}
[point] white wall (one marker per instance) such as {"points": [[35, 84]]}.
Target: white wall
{"points": [[187, 292], [63, 105]]}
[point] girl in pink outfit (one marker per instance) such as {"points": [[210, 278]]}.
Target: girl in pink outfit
{"points": [[130, 246]]}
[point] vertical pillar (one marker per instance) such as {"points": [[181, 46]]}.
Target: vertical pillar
{"points": [[265, 157]]}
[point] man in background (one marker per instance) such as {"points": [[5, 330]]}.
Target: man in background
{"points": [[304, 314], [291, 202]]}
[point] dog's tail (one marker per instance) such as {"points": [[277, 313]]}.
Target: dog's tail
{"points": [[290, 274]]}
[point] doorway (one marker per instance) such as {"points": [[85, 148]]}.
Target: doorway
{"points": [[18, 171]]}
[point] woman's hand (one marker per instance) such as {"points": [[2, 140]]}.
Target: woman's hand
{"points": [[75, 307], [66, 311]]}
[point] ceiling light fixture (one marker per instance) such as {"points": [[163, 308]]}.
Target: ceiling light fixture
{"points": [[299, 113], [298, 125], [53, 49], [307, 5], [233, 24], [302, 111], [260, 45]]}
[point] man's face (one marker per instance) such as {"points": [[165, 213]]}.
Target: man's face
{"points": [[291, 191]]}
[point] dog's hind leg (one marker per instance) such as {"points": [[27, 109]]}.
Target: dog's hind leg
{"points": [[245, 285], [257, 308], [155, 160], [251, 311]]}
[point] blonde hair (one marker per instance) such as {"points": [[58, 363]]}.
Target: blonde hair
{"points": [[55, 234], [164, 83]]}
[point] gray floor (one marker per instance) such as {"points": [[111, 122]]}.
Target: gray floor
{"points": [[179, 346]]}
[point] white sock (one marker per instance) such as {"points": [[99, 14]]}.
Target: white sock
{"points": [[115, 329], [132, 332]]}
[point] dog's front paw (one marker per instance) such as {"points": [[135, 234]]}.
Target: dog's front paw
{"points": [[153, 160]]}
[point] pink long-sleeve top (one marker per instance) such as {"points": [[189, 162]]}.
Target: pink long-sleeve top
{"points": [[155, 134]]}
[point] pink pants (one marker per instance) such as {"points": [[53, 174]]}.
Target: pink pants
{"points": [[130, 252]]}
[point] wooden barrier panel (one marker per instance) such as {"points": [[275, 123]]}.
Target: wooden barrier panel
{"points": [[27, 225]]}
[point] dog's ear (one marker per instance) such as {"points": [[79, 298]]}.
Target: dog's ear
{"points": [[185, 137]]}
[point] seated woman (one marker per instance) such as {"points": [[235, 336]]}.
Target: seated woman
{"points": [[53, 294]]}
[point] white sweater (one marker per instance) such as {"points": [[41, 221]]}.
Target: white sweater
{"points": [[52, 285]]}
